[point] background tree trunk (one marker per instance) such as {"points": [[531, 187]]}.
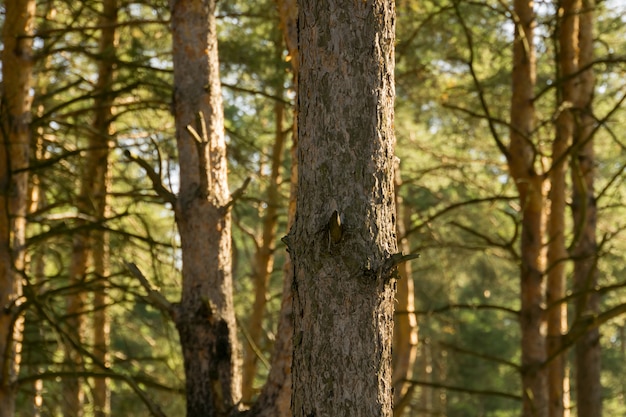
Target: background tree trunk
{"points": [[16, 104], [101, 142], [205, 318], [343, 271], [405, 320], [264, 255], [275, 396], [584, 212], [522, 157], [90, 245], [567, 34]]}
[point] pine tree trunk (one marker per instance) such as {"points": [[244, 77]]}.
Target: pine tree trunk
{"points": [[205, 318], [558, 381], [405, 319], [264, 256], [102, 142], [344, 235], [90, 246], [275, 397], [531, 187], [584, 211], [16, 104]]}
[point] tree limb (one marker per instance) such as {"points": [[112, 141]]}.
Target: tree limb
{"points": [[160, 189]]}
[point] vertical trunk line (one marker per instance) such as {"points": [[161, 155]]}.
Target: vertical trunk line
{"points": [[17, 65], [532, 191], [567, 62], [405, 319], [584, 212], [275, 397], [343, 294], [205, 317]]}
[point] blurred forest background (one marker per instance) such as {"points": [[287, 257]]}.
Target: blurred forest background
{"points": [[89, 326]]}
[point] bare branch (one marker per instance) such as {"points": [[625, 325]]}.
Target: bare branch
{"points": [[237, 194], [465, 390], [154, 296], [160, 189]]}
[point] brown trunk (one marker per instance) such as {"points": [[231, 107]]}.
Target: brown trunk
{"points": [[205, 318], [521, 158], [558, 381], [90, 247], [405, 319], [101, 141], [275, 397], [343, 240], [264, 256], [14, 155], [584, 211]]}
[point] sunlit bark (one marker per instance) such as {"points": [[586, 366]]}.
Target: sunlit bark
{"points": [[205, 317], [405, 319]]}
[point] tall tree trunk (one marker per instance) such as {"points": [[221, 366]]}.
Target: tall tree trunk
{"points": [[264, 255], [275, 396], [205, 318], [343, 240], [567, 58], [17, 64], [531, 187], [584, 211], [90, 246], [405, 319], [100, 143]]}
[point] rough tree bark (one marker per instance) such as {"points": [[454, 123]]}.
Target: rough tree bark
{"points": [[584, 212], [522, 157], [343, 240], [205, 317], [17, 64], [567, 34]]}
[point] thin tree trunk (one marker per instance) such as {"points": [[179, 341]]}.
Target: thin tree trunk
{"points": [[531, 187], [275, 396], [100, 143], [16, 104], [264, 256], [343, 240], [558, 381], [91, 246], [205, 318], [405, 319], [584, 211]]}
